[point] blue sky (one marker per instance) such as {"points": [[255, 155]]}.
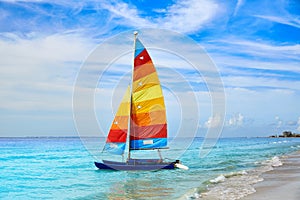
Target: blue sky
{"points": [[254, 44]]}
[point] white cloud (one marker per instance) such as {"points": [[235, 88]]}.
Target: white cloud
{"points": [[278, 122], [272, 83], [128, 14], [257, 49], [189, 16], [213, 122], [298, 123], [38, 74], [236, 120], [183, 16]]}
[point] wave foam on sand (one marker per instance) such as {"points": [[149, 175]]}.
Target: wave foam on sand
{"points": [[237, 185]]}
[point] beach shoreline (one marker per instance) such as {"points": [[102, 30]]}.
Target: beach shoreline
{"points": [[276, 179], [283, 182]]}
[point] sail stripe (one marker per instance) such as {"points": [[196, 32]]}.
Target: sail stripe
{"points": [[148, 144], [120, 122], [151, 118], [152, 131], [143, 71], [145, 82], [141, 59], [115, 148], [117, 135], [141, 107], [139, 47], [147, 94]]}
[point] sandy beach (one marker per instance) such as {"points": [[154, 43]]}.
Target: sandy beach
{"points": [[277, 179], [281, 183]]}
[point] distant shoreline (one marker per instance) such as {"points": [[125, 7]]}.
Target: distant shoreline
{"points": [[286, 134]]}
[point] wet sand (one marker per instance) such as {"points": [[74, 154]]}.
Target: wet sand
{"points": [[270, 181], [281, 183]]}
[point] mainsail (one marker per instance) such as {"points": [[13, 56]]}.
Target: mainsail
{"points": [[148, 125], [117, 136], [145, 106]]}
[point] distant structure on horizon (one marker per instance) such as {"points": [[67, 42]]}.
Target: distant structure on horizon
{"points": [[286, 134]]}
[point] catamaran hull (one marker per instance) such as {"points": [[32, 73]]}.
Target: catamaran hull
{"points": [[122, 166]]}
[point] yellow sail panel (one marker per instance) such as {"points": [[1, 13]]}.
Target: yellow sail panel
{"points": [[148, 106], [147, 94], [123, 109], [145, 82], [124, 106]]}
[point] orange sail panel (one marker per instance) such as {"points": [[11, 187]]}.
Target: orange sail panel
{"points": [[116, 140], [148, 125]]}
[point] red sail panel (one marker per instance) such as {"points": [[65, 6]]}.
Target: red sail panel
{"points": [[146, 132], [142, 59]]}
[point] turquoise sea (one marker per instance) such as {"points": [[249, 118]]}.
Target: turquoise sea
{"points": [[63, 168]]}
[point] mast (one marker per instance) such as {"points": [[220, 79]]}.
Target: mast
{"points": [[135, 33]]}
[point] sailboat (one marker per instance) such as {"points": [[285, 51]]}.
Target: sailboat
{"points": [[140, 122]]}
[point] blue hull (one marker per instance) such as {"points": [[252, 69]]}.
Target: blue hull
{"points": [[135, 164]]}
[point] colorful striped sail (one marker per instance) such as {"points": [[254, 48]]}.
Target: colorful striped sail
{"points": [[117, 136], [148, 125]]}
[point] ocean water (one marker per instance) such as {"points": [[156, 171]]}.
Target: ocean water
{"points": [[63, 168]]}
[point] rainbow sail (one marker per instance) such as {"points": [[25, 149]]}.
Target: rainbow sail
{"points": [[117, 136], [148, 125], [145, 106]]}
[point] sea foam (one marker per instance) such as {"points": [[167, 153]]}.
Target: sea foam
{"points": [[236, 185]]}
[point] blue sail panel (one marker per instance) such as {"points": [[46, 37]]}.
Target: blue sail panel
{"points": [[139, 47], [115, 148], [153, 143]]}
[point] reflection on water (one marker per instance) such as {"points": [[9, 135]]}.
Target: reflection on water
{"points": [[137, 187]]}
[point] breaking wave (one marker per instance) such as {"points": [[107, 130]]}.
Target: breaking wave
{"points": [[236, 185]]}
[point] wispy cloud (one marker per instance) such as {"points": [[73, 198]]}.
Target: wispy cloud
{"points": [[126, 14], [257, 49], [186, 17], [257, 65], [43, 44], [34, 72], [189, 16], [237, 7], [289, 20]]}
